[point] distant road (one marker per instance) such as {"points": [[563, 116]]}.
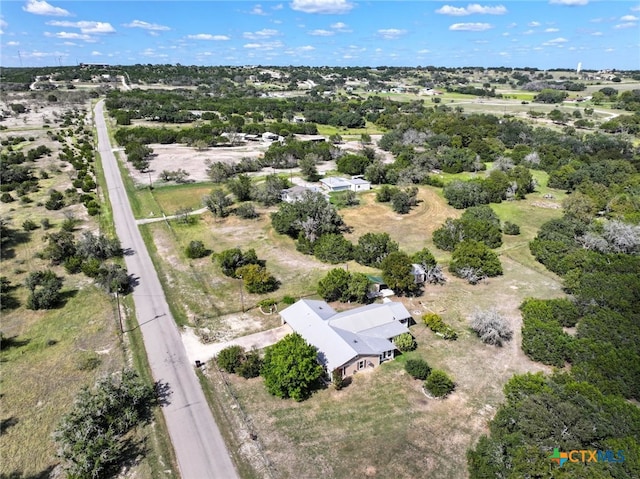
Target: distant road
{"points": [[198, 444]]}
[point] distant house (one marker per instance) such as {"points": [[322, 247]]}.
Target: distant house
{"points": [[269, 136], [299, 119], [336, 183], [350, 341], [293, 194]]}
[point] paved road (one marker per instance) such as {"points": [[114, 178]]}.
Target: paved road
{"points": [[198, 444]]}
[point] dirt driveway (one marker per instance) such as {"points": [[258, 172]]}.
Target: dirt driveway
{"points": [[196, 350]]}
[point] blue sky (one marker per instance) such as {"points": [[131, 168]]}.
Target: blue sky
{"points": [[543, 34]]}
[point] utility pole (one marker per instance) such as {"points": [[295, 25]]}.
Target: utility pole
{"points": [[241, 293]]}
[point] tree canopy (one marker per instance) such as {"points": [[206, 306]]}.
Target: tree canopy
{"points": [[291, 368]]}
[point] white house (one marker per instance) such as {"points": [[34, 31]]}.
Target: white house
{"points": [[293, 194], [336, 183]]}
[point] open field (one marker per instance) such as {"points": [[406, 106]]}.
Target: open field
{"points": [[48, 356], [382, 425]]}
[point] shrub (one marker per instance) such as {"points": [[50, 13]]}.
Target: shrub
{"points": [[288, 300], [55, 201], [46, 223], [511, 228], [491, 327], [230, 358], [196, 249], [6, 198], [405, 342], [439, 384], [545, 342], [251, 366], [435, 323], [73, 264], [474, 255], [562, 310], [418, 368], [337, 380], [257, 279], [29, 225], [247, 211], [45, 289], [333, 248]]}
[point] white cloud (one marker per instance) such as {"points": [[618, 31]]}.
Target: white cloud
{"points": [[470, 27], [609, 50], [257, 10], [208, 36], [321, 6], [70, 36], [621, 26], [307, 48], [96, 53], [13, 44], [43, 8], [146, 26], [264, 33], [597, 34], [471, 9], [39, 54], [556, 41], [3, 25], [424, 51], [528, 32], [277, 7], [533, 24], [84, 26], [264, 45], [339, 26], [629, 18], [322, 33], [568, 2], [552, 30], [636, 8], [391, 33]]}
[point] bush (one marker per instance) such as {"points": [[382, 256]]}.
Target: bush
{"points": [[251, 366], [247, 211], [73, 265], [474, 255], [418, 368], [230, 358], [545, 342], [29, 225], [435, 323], [46, 223], [257, 279], [288, 300], [333, 248], [196, 249], [55, 201], [45, 289], [337, 380], [405, 342], [562, 310], [439, 384], [491, 327], [6, 198], [511, 229]]}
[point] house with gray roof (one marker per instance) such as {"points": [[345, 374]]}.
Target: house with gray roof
{"points": [[352, 340], [336, 183]]}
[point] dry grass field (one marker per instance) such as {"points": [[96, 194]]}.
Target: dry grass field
{"points": [[382, 425], [48, 356]]}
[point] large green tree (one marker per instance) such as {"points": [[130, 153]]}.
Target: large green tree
{"points": [[372, 248], [93, 437], [291, 368], [396, 273], [476, 257]]}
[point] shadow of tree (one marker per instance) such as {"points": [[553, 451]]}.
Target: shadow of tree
{"points": [[7, 423], [45, 474], [163, 393]]}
